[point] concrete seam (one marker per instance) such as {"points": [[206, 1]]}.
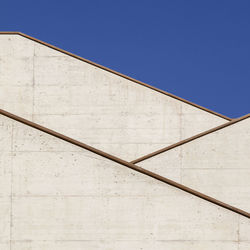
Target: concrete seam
{"points": [[181, 136], [33, 85], [195, 137], [238, 232], [11, 185], [126, 164]]}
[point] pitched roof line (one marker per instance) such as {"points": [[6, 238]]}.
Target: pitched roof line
{"points": [[125, 163], [190, 139], [115, 72]]}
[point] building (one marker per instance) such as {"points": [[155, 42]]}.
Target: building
{"points": [[114, 163]]}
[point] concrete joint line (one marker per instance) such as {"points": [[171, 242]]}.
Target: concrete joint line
{"points": [[190, 139], [127, 164]]}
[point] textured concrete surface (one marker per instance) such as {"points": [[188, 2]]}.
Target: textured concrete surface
{"points": [[89, 104], [217, 164], [133, 245], [58, 196]]}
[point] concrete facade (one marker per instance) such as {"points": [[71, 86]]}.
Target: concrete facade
{"points": [[55, 195], [217, 164], [90, 104]]}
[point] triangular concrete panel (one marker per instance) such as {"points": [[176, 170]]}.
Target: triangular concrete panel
{"points": [[215, 162], [91, 103], [60, 196]]}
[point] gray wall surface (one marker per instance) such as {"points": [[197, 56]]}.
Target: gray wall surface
{"points": [[54, 195], [92, 105], [217, 164]]}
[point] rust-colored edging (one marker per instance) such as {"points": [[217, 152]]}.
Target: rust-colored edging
{"points": [[145, 157], [125, 163], [115, 72]]}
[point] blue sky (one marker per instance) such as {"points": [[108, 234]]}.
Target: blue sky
{"points": [[198, 50]]}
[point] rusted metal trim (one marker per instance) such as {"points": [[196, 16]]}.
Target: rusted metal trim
{"points": [[145, 157], [115, 72], [125, 163]]}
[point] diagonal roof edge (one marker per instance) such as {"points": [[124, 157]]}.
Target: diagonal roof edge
{"points": [[190, 139], [115, 72], [126, 164]]}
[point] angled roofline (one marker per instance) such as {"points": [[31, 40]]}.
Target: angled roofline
{"points": [[125, 163], [115, 72], [145, 157]]}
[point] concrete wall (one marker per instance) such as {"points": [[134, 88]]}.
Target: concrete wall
{"points": [[217, 164], [92, 105], [54, 195]]}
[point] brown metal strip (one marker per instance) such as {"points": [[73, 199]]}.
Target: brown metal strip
{"points": [[126, 164], [117, 73], [145, 157]]}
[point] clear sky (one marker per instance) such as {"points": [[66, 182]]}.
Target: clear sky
{"points": [[198, 50]]}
